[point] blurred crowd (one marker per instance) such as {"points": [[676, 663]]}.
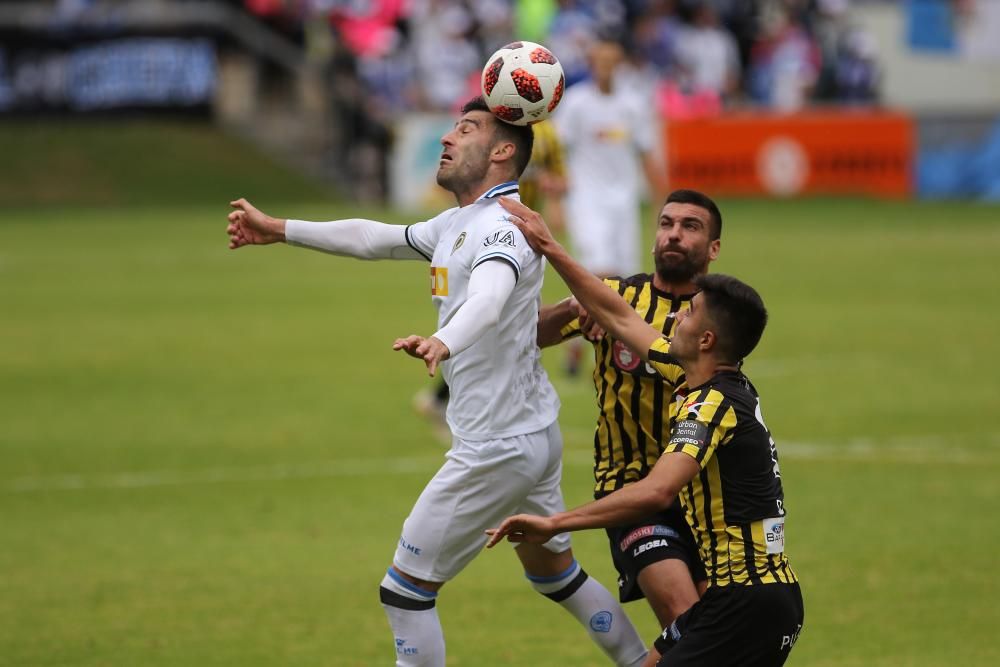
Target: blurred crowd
{"points": [[694, 57]]}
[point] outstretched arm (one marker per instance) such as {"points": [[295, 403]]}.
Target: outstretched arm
{"points": [[354, 237], [601, 302], [650, 494]]}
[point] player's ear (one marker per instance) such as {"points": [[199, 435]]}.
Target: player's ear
{"points": [[503, 151], [713, 250], [707, 340]]}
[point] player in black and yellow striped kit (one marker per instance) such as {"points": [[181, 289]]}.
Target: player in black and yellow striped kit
{"points": [[656, 557], [720, 460]]}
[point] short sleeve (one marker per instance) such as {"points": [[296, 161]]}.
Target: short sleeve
{"points": [[664, 363], [506, 243], [423, 236], [703, 421], [570, 330]]}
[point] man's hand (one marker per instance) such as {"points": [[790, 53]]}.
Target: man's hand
{"points": [[531, 225], [250, 226], [589, 327], [431, 350], [522, 528]]}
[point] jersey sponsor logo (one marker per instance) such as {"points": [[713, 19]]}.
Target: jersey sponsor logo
{"points": [[615, 134], [646, 546], [458, 243], [439, 281], [624, 358], [500, 238], [689, 432], [601, 621], [774, 535], [646, 531]]}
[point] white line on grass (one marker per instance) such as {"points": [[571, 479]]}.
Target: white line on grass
{"points": [[280, 471], [931, 449]]}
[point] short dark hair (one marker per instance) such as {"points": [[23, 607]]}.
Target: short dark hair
{"points": [[704, 201], [737, 311], [522, 136]]}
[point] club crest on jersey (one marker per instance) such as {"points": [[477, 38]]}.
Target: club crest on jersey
{"points": [[458, 243], [500, 238], [625, 359]]}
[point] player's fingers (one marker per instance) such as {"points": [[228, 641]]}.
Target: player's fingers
{"points": [[514, 206], [238, 203], [432, 364], [496, 537]]}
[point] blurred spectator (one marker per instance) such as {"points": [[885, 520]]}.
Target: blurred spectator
{"points": [[446, 52], [707, 57], [655, 33], [495, 24], [856, 69], [571, 33], [784, 63]]}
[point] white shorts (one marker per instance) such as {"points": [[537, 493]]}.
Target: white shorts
{"points": [[479, 485], [605, 234]]}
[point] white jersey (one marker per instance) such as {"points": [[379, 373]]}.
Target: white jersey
{"points": [[603, 136], [498, 386]]}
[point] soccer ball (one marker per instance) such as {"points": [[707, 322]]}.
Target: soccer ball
{"points": [[523, 83]]}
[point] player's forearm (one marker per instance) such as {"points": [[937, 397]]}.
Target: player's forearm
{"points": [[353, 237], [490, 285], [624, 506], [552, 319], [655, 178], [603, 304]]}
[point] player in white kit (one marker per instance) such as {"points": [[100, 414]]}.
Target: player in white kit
{"points": [[609, 134], [506, 452]]}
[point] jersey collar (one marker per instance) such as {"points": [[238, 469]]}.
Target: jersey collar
{"points": [[504, 189]]}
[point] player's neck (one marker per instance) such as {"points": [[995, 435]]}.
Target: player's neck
{"points": [[474, 192], [699, 371], [674, 287]]}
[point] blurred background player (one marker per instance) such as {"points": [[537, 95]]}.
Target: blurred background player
{"points": [[610, 136], [542, 186], [656, 557]]}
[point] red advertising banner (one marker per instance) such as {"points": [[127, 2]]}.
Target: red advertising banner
{"points": [[813, 152]]}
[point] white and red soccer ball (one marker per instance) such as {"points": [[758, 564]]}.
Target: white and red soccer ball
{"points": [[523, 83]]}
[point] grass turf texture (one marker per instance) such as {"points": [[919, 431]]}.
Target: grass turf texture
{"points": [[207, 455]]}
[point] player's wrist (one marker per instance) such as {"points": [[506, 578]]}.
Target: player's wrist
{"points": [[276, 227]]}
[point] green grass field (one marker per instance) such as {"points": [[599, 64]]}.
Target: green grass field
{"points": [[207, 454]]}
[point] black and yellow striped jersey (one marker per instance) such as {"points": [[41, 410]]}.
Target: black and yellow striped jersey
{"points": [[546, 156], [735, 505], [632, 398]]}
